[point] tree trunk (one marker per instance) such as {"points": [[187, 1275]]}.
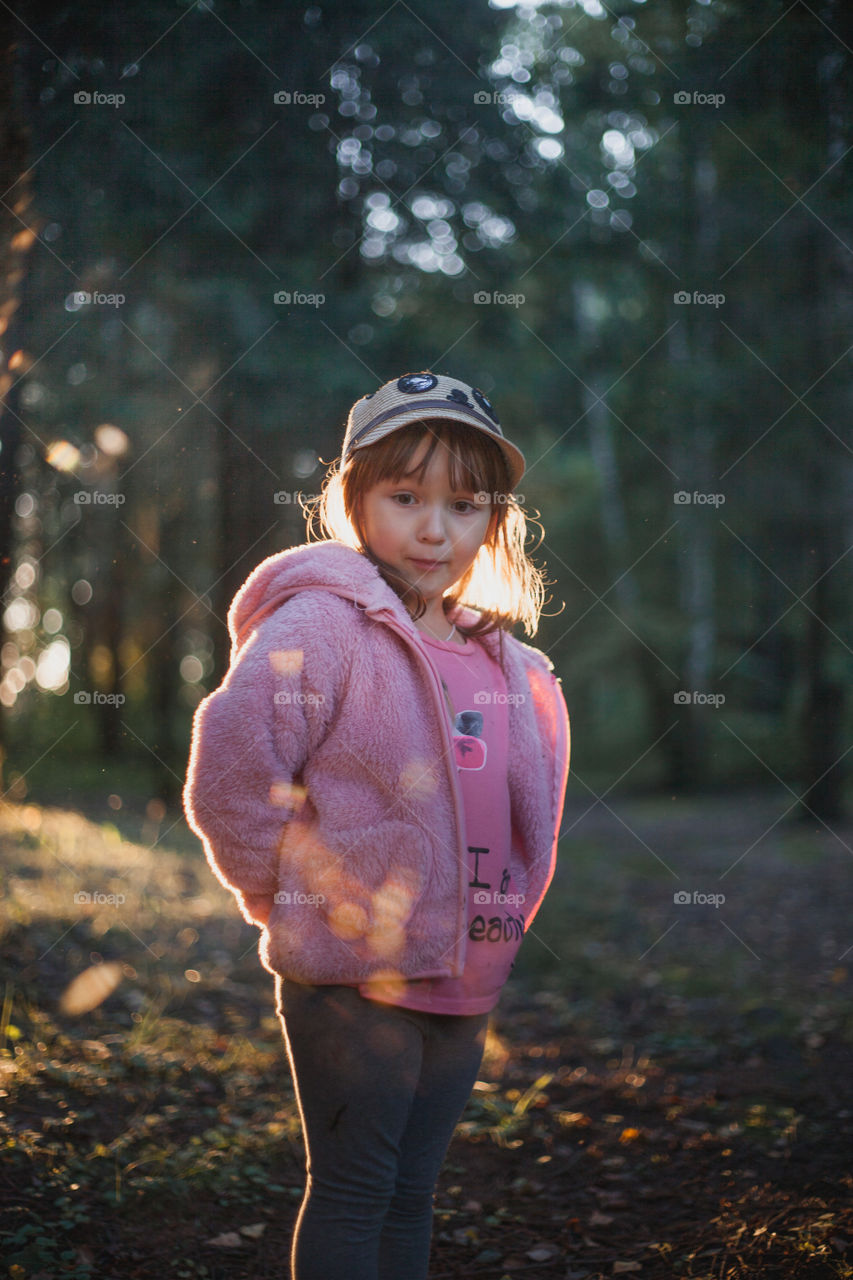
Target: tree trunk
{"points": [[15, 242], [248, 514], [823, 716], [691, 351], [825, 759]]}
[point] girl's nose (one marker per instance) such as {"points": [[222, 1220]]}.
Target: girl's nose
{"points": [[432, 524]]}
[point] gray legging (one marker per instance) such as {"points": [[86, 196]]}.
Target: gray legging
{"points": [[380, 1089]]}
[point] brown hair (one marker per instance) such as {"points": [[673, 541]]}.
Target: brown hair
{"points": [[502, 584]]}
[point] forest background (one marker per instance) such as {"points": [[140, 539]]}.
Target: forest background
{"points": [[629, 224]]}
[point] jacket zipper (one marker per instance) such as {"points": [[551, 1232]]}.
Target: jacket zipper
{"points": [[462, 898]]}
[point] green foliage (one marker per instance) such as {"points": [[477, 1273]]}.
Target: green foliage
{"points": [[398, 197]]}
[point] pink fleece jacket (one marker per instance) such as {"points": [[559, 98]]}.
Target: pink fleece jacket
{"points": [[322, 779]]}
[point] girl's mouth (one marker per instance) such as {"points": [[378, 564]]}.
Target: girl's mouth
{"points": [[427, 565]]}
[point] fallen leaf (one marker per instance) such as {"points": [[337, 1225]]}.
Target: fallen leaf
{"points": [[542, 1252], [572, 1118], [597, 1219], [629, 1135], [466, 1235], [255, 1231], [228, 1240]]}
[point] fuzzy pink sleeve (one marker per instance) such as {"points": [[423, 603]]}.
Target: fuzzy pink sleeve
{"points": [[249, 741], [555, 739]]}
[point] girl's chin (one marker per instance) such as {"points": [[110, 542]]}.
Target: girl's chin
{"points": [[423, 579]]}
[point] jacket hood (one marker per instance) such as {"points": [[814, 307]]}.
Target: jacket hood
{"points": [[326, 566], [332, 566]]}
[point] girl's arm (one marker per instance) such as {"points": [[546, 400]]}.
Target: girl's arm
{"points": [[250, 741], [554, 743]]}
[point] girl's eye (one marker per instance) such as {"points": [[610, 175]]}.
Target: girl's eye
{"points": [[406, 499]]}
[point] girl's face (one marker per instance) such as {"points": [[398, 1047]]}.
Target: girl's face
{"points": [[427, 532]]}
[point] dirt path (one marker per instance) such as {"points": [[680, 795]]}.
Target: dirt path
{"points": [[666, 1090]]}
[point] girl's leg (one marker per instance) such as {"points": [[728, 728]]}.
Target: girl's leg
{"points": [[356, 1064], [453, 1051]]}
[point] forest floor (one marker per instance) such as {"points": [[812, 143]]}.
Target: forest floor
{"points": [[666, 1089]]}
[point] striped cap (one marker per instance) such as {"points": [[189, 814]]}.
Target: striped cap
{"points": [[421, 397]]}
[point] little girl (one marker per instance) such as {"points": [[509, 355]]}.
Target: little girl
{"points": [[379, 779]]}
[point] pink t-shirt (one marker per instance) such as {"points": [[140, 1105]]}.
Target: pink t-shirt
{"points": [[495, 910]]}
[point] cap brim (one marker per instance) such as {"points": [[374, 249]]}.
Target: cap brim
{"points": [[514, 457]]}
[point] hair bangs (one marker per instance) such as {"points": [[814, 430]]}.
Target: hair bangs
{"points": [[475, 464]]}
